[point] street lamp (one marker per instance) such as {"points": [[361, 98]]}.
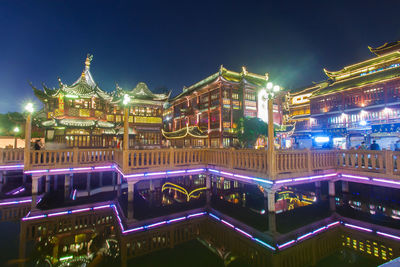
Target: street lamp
{"points": [[125, 102], [16, 131], [271, 90], [29, 108]]}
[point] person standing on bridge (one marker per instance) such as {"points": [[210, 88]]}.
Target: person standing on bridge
{"points": [[374, 146]]}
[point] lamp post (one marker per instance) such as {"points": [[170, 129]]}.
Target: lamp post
{"points": [[29, 109], [271, 90], [125, 102], [16, 131]]}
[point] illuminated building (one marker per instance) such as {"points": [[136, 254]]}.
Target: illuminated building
{"points": [[206, 113], [354, 104], [83, 115]]}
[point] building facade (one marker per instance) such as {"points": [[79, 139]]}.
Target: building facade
{"points": [[357, 103], [83, 115], [206, 114]]}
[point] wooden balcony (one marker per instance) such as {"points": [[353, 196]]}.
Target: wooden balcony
{"points": [[287, 163]]}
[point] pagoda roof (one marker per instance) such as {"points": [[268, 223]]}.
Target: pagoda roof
{"points": [[359, 81], [385, 48], [363, 66], [140, 92], [83, 87], [232, 76], [191, 131]]}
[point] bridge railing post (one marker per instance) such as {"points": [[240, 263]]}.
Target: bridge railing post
{"points": [[125, 161], [75, 157], [171, 157], [309, 160], [388, 162]]}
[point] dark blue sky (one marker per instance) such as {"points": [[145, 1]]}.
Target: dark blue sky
{"points": [[176, 43]]}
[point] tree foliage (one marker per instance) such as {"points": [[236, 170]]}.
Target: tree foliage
{"points": [[9, 121], [249, 129]]}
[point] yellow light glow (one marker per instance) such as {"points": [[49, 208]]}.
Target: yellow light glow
{"points": [[276, 88], [29, 107], [16, 130], [270, 85]]}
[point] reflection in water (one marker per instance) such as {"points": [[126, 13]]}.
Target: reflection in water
{"points": [[76, 249], [88, 242]]}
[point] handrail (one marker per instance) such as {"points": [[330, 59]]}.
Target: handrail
{"points": [[250, 160]]}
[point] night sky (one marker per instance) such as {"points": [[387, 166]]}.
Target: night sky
{"points": [[171, 44]]}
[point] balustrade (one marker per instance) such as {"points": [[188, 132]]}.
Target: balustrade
{"points": [[286, 161], [11, 155]]}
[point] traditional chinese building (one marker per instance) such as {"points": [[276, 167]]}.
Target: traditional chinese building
{"points": [[206, 113], [84, 115], [145, 115], [354, 104]]}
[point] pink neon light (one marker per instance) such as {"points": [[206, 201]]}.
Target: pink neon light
{"points": [[332, 224], [173, 172], [59, 170], [101, 207], [355, 177], [156, 224], [80, 210], [177, 219], [134, 175], [388, 235], [386, 181], [37, 171], [242, 176], [57, 213], [82, 169], [132, 230], [286, 244], [103, 167], [358, 227], [196, 214], [302, 179], [304, 236], [33, 217], [243, 232], [319, 230], [155, 173], [225, 222], [11, 166]]}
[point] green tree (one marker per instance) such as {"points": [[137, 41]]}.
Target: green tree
{"points": [[249, 129]]}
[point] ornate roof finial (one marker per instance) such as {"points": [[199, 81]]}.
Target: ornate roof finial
{"points": [[87, 61], [83, 74], [221, 69], [244, 70], [266, 76]]}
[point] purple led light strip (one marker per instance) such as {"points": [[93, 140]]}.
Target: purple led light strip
{"points": [[358, 227], [241, 231], [11, 166]]}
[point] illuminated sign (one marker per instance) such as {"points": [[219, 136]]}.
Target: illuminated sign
{"points": [[301, 99], [61, 103], [139, 119]]}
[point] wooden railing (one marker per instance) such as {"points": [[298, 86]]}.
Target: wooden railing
{"points": [[69, 157], [160, 158], [256, 161], [11, 156]]}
